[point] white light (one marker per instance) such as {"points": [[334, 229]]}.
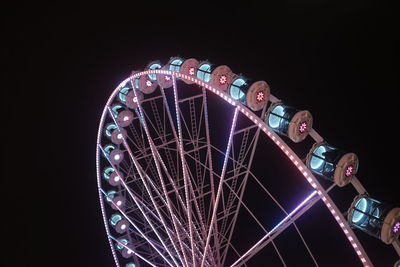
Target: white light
{"points": [[126, 118], [117, 157], [123, 227], [119, 136], [276, 227], [116, 178], [129, 251], [119, 203]]}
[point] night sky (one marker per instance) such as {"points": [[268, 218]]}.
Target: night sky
{"points": [[339, 61]]}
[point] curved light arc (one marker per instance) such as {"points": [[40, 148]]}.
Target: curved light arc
{"points": [[336, 213]]}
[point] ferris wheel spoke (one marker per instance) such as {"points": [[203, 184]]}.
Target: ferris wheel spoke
{"points": [[135, 141], [228, 244], [177, 219], [168, 204], [157, 156], [172, 181], [161, 239], [245, 151], [200, 219], [282, 225], [194, 135], [184, 172], [214, 213], [176, 190], [231, 228], [181, 227], [139, 231], [141, 205], [209, 157], [305, 244], [157, 208]]}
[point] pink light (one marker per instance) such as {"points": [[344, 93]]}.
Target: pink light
{"points": [[167, 78], [303, 127], [396, 227], [148, 83], [191, 71], [349, 171], [223, 79], [260, 96]]}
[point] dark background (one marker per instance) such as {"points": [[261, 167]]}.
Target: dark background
{"points": [[338, 60]]}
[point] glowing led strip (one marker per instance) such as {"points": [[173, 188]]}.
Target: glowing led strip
{"points": [[228, 148], [103, 213], [185, 178], [278, 141], [275, 228]]}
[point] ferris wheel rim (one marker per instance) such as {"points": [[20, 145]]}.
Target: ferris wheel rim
{"points": [[259, 122]]}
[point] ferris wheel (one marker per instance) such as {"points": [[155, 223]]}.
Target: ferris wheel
{"points": [[188, 158]]}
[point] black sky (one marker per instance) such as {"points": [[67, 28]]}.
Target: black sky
{"points": [[338, 60]]}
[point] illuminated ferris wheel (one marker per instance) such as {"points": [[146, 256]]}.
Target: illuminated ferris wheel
{"points": [[182, 176]]}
